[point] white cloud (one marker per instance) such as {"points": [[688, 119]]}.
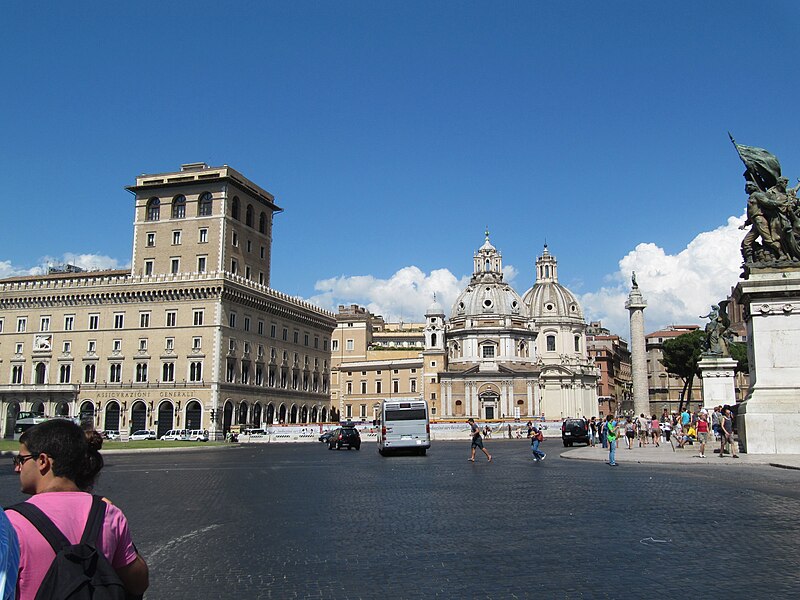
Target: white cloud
{"points": [[678, 288], [405, 295], [90, 262]]}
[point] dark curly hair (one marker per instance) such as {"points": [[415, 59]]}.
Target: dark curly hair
{"points": [[75, 453]]}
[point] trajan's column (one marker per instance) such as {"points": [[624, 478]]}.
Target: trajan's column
{"points": [[636, 305]]}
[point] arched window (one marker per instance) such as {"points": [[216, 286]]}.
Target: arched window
{"points": [[153, 209], [248, 216], [262, 223], [551, 343], [204, 205], [488, 265], [179, 207], [235, 208], [433, 339], [41, 373], [577, 343]]}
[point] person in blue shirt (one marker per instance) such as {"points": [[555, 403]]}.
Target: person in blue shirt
{"points": [[9, 558]]}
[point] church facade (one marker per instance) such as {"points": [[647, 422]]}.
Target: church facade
{"points": [[498, 355]]}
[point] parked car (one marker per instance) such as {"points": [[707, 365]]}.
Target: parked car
{"points": [[176, 435], [575, 430], [346, 435], [110, 434], [143, 434], [198, 435]]}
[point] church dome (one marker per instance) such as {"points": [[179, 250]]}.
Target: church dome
{"points": [[548, 299], [435, 309], [487, 295]]}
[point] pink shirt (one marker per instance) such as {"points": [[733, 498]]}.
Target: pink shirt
{"points": [[68, 511]]}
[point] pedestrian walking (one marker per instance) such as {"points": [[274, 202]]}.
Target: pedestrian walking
{"points": [[726, 429], [655, 431], [611, 434], [593, 432], [537, 438], [57, 465], [477, 441], [702, 433], [630, 432]]}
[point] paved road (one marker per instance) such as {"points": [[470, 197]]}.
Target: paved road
{"points": [[299, 521]]}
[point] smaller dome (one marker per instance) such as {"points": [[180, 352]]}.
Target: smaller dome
{"points": [[435, 309]]}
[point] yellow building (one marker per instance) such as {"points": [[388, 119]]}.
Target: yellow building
{"points": [[192, 336]]}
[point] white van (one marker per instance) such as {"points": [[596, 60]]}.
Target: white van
{"points": [[404, 425], [176, 435], [198, 435]]}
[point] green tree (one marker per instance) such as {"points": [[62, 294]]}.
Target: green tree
{"points": [[681, 355], [739, 354]]}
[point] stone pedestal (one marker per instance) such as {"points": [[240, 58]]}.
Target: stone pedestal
{"points": [[769, 418], [717, 374], [641, 394]]}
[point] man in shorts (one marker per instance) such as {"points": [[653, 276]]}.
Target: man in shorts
{"points": [[477, 441]]}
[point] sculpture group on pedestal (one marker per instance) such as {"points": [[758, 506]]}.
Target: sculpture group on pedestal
{"points": [[718, 331], [773, 211]]}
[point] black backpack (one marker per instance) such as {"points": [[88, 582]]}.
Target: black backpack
{"points": [[79, 571]]}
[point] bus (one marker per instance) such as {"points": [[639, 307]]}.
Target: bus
{"points": [[404, 425], [26, 420]]}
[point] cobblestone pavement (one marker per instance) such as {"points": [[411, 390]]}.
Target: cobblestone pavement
{"points": [[299, 521]]}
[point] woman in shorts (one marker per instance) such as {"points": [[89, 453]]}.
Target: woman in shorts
{"points": [[630, 432]]}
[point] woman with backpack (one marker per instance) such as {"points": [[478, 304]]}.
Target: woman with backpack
{"points": [[57, 465]]}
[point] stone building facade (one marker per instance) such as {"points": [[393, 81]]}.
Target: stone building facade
{"points": [[499, 355], [192, 336]]}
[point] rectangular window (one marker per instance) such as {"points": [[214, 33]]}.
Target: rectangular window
{"points": [[44, 324], [261, 328], [91, 346], [263, 252], [230, 370], [377, 387], [235, 239], [363, 387], [19, 348], [151, 239], [201, 264], [285, 334], [249, 246], [175, 265], [1, 325], [349, 345], [349, 411], [148, 267], [296, 337], [247, 323], [325, 345], [413, 384], [67, 347], [198, 317], [119, 321], [395, 386], [144, 320], [142, 344], [176, 238], [272, 331], [260, 278], [169, 343], [316, 342], [22, 324], [334, 345], [172, 317], [488, 352], [69, 322], [116, 345], [196, 343], [203, 235], [247, 272], [363, 411], [349, 387], [246, 347], [234, 266], [232, 320]]}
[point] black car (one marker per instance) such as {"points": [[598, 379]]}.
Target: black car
{"points": [[575, 430], [326, 437], [346, 435]]}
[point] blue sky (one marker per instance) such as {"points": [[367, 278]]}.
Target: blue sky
{"points": [[394, 133]]}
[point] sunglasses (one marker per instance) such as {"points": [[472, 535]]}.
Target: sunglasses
{"points": [[20, 459]]}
